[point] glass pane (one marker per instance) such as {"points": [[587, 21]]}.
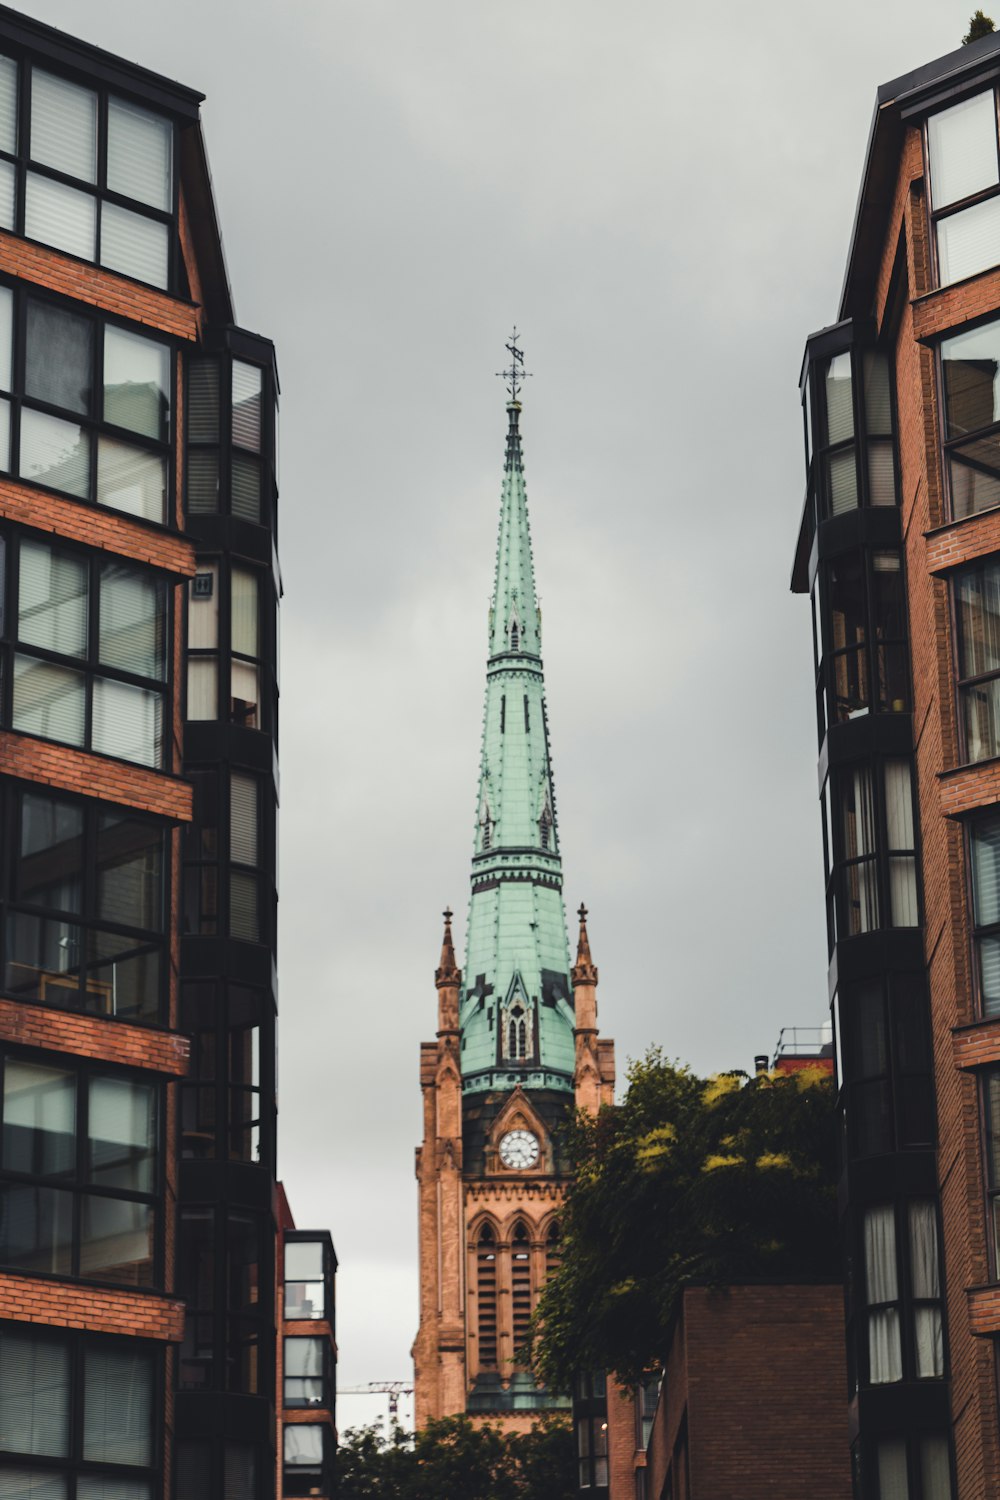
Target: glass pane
{"points": [[121, 1150], [974, 470], [985, 847], [304, 1445], [140, 147], [245, 612], [924, 1273], [127, 722], [63, 125], [903, 891], [243, 803], [881, 474], [4, 438], [847, 614], [134, 245], [203, 483], [6, 337], [48, 701], [878, 404], [935, 1470], [105, 1487], [245, 487], [892, 1480], [885, 1360], [34, 1395], [203, 401], [118, 1407], [8, 195], [203, 608], [962, 144], [136, 383], [36, 1229], [53, 599], [247, 386], [59, 215], [245, 694], [43, 959], [133, 620], [240, 1475], [303, 1260], [981, 717], [839, 407], [842, 481], [8, 105], [31, 1484], [898, 804], [59, 357], [970, 364], [868, 1032], [244, 915], [132, 479], [50, 862], [39, 1120], [116, 1241], [55, 453], [989, 975], [124, 977], [977, 598], [130, 872], [969, 241], [202, 688], [880, 1255]]}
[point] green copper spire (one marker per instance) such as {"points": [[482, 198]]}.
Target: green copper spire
{"points": [[516, 1008]]}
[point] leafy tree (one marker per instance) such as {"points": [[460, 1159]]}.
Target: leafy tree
{"points": [[455, 1459], [979, 25], [710, 1181]]}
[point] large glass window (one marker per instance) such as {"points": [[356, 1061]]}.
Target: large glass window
{"points": [[306, 1372], [77, 1416], [228, 438], [991, 1109], [977, 615], [903, 1293], [970, 371], [854, 420], [94, 176], [984, 856], [918, 1469], [84, 920], [224, 1282], [964, 186], [886, 1066], [98, 436], [863, 658], [90, 663], [874, 859], [306, 1275], [307, 1445], [78, 1161]]}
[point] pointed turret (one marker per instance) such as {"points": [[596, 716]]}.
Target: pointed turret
{"points": [[594, 1070], [448, 978], [517, 1017]]}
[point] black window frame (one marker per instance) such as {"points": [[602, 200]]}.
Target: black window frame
{"points": [[74, 1466], [905, 1302], [865, 1462], [89, 667], [892, 1008], [210, 1118], [309, 1479], [878, 860], [327, 1372], [220, 1329], [978, 931], [935, 216], [223, 453], [872, 653], [991, 1167], [23, 163], [963, 685], [78, 1185], [321, 1237], [950, 445], [819, 450], [93, 421]]}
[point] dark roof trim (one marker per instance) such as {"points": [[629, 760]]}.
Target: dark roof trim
{"points": [[69, 52], [903, 95], [203, 224]]}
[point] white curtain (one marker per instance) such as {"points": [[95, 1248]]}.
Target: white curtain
{"points": [[892, 1482], [927, 1331], [935, 1471], [884, 1352]]}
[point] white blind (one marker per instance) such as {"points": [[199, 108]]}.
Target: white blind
{"points": [[247, 385], [839, 408], [60, 215], [48, 701], [245, 612], [963, 149], [132, 621], [134, 245], [243, 800], [52, 608], [878, 407], [202, 688], [55, 453], [34, 1396], [131, 479], [969, 241], [136, 382], [63, 125], [203, 401], [122, 1130], [127, 722], [935, 1470], [843, 481], [986, 870], [8, 195], [203, 611], [8, 105], [881, 474], [118, 1407], [892, 1480], [6, 337], [139, 154]]}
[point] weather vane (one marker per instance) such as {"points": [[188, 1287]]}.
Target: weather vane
{"points": [[517, 374]]}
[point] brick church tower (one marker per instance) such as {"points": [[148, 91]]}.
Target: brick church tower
{"points": [[517, 1047]]}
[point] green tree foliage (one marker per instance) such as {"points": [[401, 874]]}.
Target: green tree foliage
{"points": [[712, 1181], [979, 25], [456, 1460]]}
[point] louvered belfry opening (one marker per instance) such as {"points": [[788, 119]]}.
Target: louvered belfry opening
{"points": [[520, 1259], [486, 1291]]}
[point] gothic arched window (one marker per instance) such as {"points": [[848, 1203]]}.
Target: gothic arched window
{"points": [[517, 1033], [515, 636], [545, 828], [553, 1250], [486, 1293]]}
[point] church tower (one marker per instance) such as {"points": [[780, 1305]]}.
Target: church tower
{"points": [[517, 1046]]}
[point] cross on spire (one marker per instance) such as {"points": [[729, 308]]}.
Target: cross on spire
{"points": [[516, 375]]}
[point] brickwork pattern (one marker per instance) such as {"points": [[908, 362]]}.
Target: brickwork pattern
{"points": [[65, 1304], [94, 1037], [92, 526], [96, 776]]}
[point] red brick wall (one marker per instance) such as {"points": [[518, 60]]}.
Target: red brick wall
{"points": [[66, 1305], [759, 1374]]}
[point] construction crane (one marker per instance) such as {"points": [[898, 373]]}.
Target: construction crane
{"points": [[391, 1388]]}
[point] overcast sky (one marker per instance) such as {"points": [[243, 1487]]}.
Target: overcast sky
{"points": [[660, 197]]}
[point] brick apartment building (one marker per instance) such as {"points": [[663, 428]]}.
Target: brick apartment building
{"points": [[900, 551], [164, 1329]]}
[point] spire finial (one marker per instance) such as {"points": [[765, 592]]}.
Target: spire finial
{"points": [[447, 973], [584, 971], [517, 374]]}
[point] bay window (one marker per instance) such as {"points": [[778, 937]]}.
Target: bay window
{"points": [[306, 1372], [885, 1047], [90, 173], [984, 859], [970, 365], [905, 1338], [308, 1458], [964, 171], [918, 1469], [861, 637], [77, 1416], [79, 1173], [873, 848]]}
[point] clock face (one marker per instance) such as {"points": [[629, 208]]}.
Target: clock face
{"points": [[519, 1149]]}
